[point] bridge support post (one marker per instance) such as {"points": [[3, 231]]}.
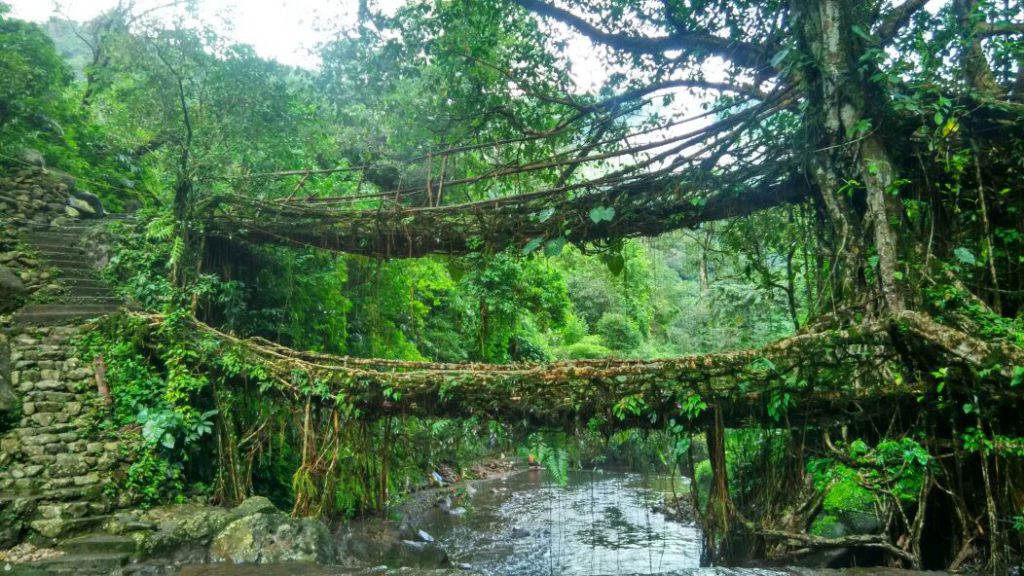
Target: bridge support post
{"points": [[718, 512]]}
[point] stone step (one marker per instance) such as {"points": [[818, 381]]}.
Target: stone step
{"points": [[53, 236], [99, 543], [80, 281], [85, 291], [69, 258], [64, 527], [46, 248], [49, 314], [69, 494], [83, 564], [74, 297]]}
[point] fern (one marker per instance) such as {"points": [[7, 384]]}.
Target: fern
{"points": [[160, 229], [551, 451], [177, 251]]}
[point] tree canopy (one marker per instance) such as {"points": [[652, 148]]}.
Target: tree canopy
{"points": [[667, 207]]}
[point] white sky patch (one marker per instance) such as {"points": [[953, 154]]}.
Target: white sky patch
{"points": [[284, 30], [290, 30]]}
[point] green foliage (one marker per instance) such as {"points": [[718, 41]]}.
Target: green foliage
{"points": [[551, 451], [590, 347], [846, 495], [619, 332], [893, 468], [827, 526], [157, 400], [153, 479]]}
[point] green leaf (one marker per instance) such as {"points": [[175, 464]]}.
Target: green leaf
{"points": [[1018, 376], [532, 245], [860, 32], [965, 256], [600, 214], [968, 408], [554, 246], [616, 263], [545, 214], [779, 57]]}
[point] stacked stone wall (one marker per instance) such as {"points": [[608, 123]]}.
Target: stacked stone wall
{"points": [[55, 465]]}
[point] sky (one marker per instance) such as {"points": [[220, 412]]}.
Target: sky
{"points": [[289, 30], [285, 30]]}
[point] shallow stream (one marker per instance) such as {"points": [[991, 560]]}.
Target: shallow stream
{"points": [[525, 525], [599, 523]]}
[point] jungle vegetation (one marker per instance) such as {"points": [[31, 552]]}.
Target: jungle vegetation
{"points": [[840, 178]]}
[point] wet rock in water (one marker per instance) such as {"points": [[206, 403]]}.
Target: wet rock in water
{"points": [[407, 532], [518, 532], [422, 554], [458, 511], [387, 545], [272, 538]]}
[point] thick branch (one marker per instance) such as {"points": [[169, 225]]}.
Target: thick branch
{"points": [[740, 53], [894, 20], [646, 207], [988, 29], [857, 540]]}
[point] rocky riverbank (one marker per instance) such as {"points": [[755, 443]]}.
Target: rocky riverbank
{"points": [[198, 539]]}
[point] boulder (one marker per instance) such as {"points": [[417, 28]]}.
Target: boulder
{"points": [[388, 545], [182, 527], [273, 538], [254, 505], [92, 200], [72, 212], [64, 178], [33, 157], [12, 520], [83, 207], [414, 553], [12, 289]]}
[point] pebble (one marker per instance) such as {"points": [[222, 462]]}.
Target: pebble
{"points": [[26, 552]]}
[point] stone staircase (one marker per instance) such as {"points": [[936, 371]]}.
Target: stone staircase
{"points": [[84, 294], [54, 466], [53, 470], [92, 554]]}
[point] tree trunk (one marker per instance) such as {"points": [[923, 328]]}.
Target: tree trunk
{"points": [[718, 511], [848, 161]]}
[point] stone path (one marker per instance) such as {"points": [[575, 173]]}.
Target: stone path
{"points": [[85, 294], [52, 474], [53, 468]]}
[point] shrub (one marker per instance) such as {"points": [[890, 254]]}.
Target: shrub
{"points": [[619, 332]]}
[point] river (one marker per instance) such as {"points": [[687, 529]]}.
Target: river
{"points": [[526, 525]]}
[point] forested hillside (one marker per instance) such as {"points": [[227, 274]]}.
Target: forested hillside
{"points": [[440, 243]]}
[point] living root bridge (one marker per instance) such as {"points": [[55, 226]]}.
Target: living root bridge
{"points": [[825, 375], [645, 206]]}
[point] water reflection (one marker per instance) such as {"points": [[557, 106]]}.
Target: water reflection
{"points": [[598, 524]]}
